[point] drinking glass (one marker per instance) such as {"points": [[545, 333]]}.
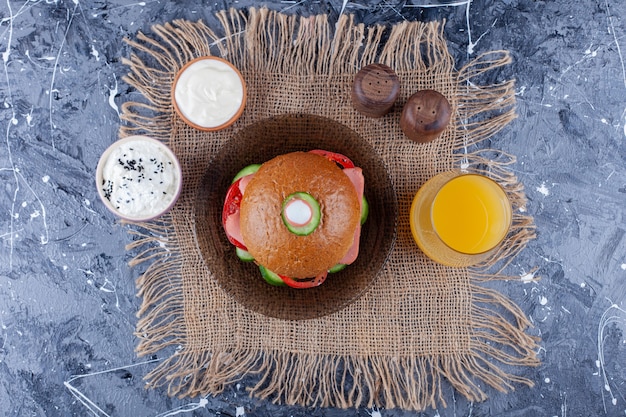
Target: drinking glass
{"points": [[460, 219]]}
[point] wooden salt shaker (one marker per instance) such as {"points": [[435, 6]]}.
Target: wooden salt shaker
{"points": [[375, 90], [425, 115]]}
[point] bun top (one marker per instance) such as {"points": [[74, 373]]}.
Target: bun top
{"points": [[266, 236]]}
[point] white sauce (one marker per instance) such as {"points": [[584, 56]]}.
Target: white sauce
{"points": [[298, 212], [209, 93], [139, 179]]}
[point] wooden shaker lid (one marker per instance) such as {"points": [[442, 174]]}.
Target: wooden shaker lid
{"points": [[425, 115], [375, 90]]}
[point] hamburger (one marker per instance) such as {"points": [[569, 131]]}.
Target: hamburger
{"points": [[297, 216]]}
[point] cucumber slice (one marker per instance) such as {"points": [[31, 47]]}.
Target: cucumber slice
{"points": [[270, 277], [301, 213], [337, 268], [244, 255], [365, 210], [250, 169]]}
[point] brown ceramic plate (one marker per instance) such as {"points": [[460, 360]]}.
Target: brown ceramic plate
{"points": [[258, 143]]}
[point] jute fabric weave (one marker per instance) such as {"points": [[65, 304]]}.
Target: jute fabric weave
{"points": [[420, 323]]}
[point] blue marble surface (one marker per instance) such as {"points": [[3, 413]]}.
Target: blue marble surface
{"points": [[67, 295]]}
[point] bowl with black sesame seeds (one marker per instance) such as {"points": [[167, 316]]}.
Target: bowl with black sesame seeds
{"points": [[138, 178]]}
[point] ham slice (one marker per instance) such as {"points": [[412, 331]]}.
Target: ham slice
{"points": [[356, 176], [243, 182], [353, 252], [232, 223], [232, 226]]}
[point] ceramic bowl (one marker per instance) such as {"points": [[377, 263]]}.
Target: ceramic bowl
{"points": [[138, 178], [209, 93]]}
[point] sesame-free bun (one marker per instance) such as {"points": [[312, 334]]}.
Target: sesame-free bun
{"points": [[266, 236]]}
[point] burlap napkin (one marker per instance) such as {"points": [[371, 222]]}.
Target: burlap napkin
{"points": [[420, 323]]}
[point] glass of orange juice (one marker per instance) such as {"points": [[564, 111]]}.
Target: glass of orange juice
{"points": [[459, 219]]}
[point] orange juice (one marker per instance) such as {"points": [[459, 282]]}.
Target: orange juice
{"points": [[471, 214], [458, 219]]}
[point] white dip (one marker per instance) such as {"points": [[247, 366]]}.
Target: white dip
{"points": [[209, 93], [139, 179]]}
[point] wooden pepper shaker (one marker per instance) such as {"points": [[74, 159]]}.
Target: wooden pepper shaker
{"points": [[425, 115], [375, 90]]}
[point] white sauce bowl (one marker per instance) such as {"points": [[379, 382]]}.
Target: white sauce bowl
{"points": [[209, 93], [138, 178]]}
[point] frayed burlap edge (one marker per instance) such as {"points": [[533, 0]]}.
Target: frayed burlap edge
{"points": [[322, 380]]}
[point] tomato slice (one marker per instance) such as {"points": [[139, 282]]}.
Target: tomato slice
{"points": [[230, 214], [301, 284], [341, 160]]}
